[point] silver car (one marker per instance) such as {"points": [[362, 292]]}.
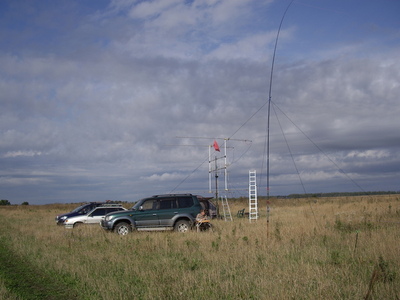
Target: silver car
{"points": [[94, 216]]}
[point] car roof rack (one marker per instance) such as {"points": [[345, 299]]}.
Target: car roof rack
{"points": [[110, 205], [169, 195]]}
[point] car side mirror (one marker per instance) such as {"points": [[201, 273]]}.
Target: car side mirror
{"points": [[141, 208]]}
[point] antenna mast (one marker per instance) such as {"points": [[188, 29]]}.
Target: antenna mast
{"points": [[216, 168], [270, 95]]}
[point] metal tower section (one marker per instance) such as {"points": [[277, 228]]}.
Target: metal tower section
{"points": [[226, 210], [253, 201], [213, 167]]}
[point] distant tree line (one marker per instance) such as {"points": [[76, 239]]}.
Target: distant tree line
{"points": [[348, 194], [6, 202]]}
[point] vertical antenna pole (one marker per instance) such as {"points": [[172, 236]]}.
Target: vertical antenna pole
{"points": [[209, 169], [216, 179], [225, 168], [270, 95]]}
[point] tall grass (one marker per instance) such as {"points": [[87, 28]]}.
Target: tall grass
{"points": [[331, 248]]}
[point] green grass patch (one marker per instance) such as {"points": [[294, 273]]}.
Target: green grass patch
{"points": [[27, 281]]}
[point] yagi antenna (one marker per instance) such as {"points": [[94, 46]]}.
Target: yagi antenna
{"points": [[213, 167]]}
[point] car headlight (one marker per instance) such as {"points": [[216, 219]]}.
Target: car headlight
{"points": [[108, 218]]}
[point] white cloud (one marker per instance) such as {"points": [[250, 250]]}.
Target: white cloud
{"points": [[163, 177], [22, 181], [369, 154], [22, 153], [149, 9], [249, 48]]}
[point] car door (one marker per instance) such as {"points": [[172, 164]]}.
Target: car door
{"points": [[147, 215], [167, 210], [96, 215], [99, 214]]}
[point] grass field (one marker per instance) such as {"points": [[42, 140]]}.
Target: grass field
{"points": [[320, 248]]}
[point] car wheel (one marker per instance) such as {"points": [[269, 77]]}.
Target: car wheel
{"points": [[122, 228], [77, 224], [182, 226]]}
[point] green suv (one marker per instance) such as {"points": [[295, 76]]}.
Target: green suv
{"points": [[160, 212]]}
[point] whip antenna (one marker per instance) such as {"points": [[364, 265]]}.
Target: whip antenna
{"points": [[270, 92]]}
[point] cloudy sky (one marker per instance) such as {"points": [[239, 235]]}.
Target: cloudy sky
{"points": [[121, 99]]}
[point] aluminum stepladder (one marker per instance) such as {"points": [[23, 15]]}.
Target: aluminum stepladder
{"points": [[253, 202], [225, 208]]}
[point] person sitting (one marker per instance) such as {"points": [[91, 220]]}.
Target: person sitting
{"points": [[202, 222], [201, 216]]}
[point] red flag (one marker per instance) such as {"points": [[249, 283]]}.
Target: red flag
{"points": [[216, 147]]}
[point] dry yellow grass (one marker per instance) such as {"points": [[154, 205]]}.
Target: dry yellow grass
{"points": [[311, 249]]}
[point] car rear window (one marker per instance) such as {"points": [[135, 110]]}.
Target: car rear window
{"points": [[112, 209], [184, 202], [167, 203]]}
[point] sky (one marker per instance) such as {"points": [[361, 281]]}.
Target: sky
{"points": [[123, 99]]}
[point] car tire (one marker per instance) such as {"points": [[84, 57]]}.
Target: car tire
{"points": [[122, 228], [182, 226], [77, 224]]}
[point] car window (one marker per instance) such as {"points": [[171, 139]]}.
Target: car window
{"points": [[167, 203], [85, 210], [149, 204], [184, 202], [79, 208], [112, 209], [98, 212]]}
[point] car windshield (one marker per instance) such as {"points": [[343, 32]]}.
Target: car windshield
{"points": [[136, 205], [78, 209]]}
